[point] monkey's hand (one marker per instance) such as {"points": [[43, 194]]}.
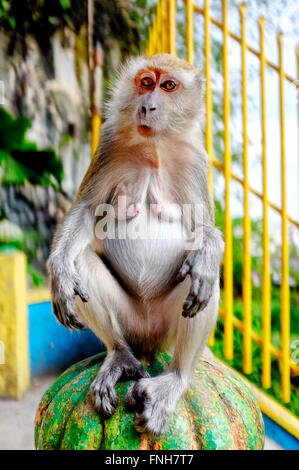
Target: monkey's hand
{"points": [[201, 284], [65, 284]]}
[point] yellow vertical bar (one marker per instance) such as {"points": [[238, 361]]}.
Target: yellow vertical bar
{"points": [[247, 344], [228, 266], [266, 282], [14, 369], [148, 49], [155, 35], [285, 292], [172, 26], [190, 31], [209, 103], [163, 28], [95, 132], [166, 26]]}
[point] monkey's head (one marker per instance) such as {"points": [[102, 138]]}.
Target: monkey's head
{"points": [[156, 95]]}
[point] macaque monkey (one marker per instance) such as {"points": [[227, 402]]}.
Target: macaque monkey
{"points": [[153, 288]]}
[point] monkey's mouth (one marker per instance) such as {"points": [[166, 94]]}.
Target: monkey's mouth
{"points": [[145, 131]]}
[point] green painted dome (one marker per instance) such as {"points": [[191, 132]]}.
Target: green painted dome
{"points": [[217, 412]]}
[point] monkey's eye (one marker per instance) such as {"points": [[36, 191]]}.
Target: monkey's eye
{"points": [[168, 85], [147, 82]]}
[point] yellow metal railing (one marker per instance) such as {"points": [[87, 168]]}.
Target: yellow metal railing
{"points": [[162, 38]]}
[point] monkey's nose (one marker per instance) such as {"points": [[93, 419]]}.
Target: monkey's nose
{"points": [[146, 108]]}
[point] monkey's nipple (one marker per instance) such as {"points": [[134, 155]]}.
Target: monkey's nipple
{"points": [[133, 210], [159, 208]]}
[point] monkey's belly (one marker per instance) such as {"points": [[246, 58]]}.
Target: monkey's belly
{"points": [[147, 264]]}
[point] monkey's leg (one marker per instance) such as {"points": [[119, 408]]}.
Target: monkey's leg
{"points": [[155, 399], [107, 306]]}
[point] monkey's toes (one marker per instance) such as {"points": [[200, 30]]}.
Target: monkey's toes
{"points": [[150, 418], [151, 423], [103, 398], [135, 398], [185, 269]]}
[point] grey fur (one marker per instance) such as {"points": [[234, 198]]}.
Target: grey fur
{"points": [[120, 364]]}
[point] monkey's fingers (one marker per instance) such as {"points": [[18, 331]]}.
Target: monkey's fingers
{"points": [[190, 306], [64, 313], [205, 293], [74, 323], [199, 296], [185, 269], [58, 313], [81, 293]]}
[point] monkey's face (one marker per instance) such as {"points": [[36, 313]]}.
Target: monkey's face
{"points": [[158, 95]]}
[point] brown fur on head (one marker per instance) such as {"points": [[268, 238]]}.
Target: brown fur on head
{"points": [[156, 96]]}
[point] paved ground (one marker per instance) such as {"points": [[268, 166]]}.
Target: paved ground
{"points": [[17, 417]]}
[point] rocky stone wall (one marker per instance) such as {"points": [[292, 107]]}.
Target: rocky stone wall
{"points": [[53, 92]]}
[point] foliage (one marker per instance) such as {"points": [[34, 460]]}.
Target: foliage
{"points": [[21, 160], [21, 163], [36, 276], [113, 19]]}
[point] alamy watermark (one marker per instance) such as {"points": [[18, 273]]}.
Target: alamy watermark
{"points": [[160, 221]]}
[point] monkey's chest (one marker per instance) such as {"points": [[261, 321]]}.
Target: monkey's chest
{"points": [[145, 254]]}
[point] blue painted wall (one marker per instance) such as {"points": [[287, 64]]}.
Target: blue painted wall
{"points": [[52, 347]]}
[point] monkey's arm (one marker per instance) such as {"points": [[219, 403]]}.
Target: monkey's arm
{"points": [[203, 267], [73, 236]]}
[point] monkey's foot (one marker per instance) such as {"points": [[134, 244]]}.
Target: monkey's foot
{"points": [[103, 395], [120, 364], [154, 400]]}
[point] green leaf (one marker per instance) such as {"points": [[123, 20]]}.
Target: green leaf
{"points": [[23, 161], [65, 4], [12, 130], [36, 276], [14, 172]]}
